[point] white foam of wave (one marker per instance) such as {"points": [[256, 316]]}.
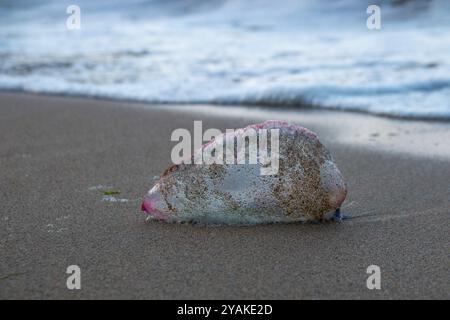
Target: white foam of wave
{"points": [[286, 52]]}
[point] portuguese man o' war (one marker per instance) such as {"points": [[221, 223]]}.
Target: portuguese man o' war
{"points": [[307, 185]]}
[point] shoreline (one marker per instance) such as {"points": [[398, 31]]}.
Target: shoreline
{"points": [[355, 128], [57, 151], [244, 106]]}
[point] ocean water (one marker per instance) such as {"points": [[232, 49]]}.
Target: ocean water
{"points": [[253, 52]]}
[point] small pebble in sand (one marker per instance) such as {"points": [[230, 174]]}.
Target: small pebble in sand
{"points": [[113, 199]]}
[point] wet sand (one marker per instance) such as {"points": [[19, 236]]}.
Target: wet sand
{"points": [[56, 150]]}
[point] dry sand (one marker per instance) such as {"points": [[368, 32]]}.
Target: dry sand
{"points": [[54, 150]]}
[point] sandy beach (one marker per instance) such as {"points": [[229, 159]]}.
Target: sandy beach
{"points": [[56, 151]]}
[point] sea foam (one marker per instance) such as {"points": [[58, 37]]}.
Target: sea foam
{"points": [[278, 53]]}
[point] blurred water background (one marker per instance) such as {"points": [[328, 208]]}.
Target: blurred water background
{"points": [[253, 52]]}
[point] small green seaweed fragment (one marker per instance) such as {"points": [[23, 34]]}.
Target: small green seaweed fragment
{"points": [[110, 192]]}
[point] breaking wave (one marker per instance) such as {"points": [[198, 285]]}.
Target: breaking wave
{"points": [[255, 52]]}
